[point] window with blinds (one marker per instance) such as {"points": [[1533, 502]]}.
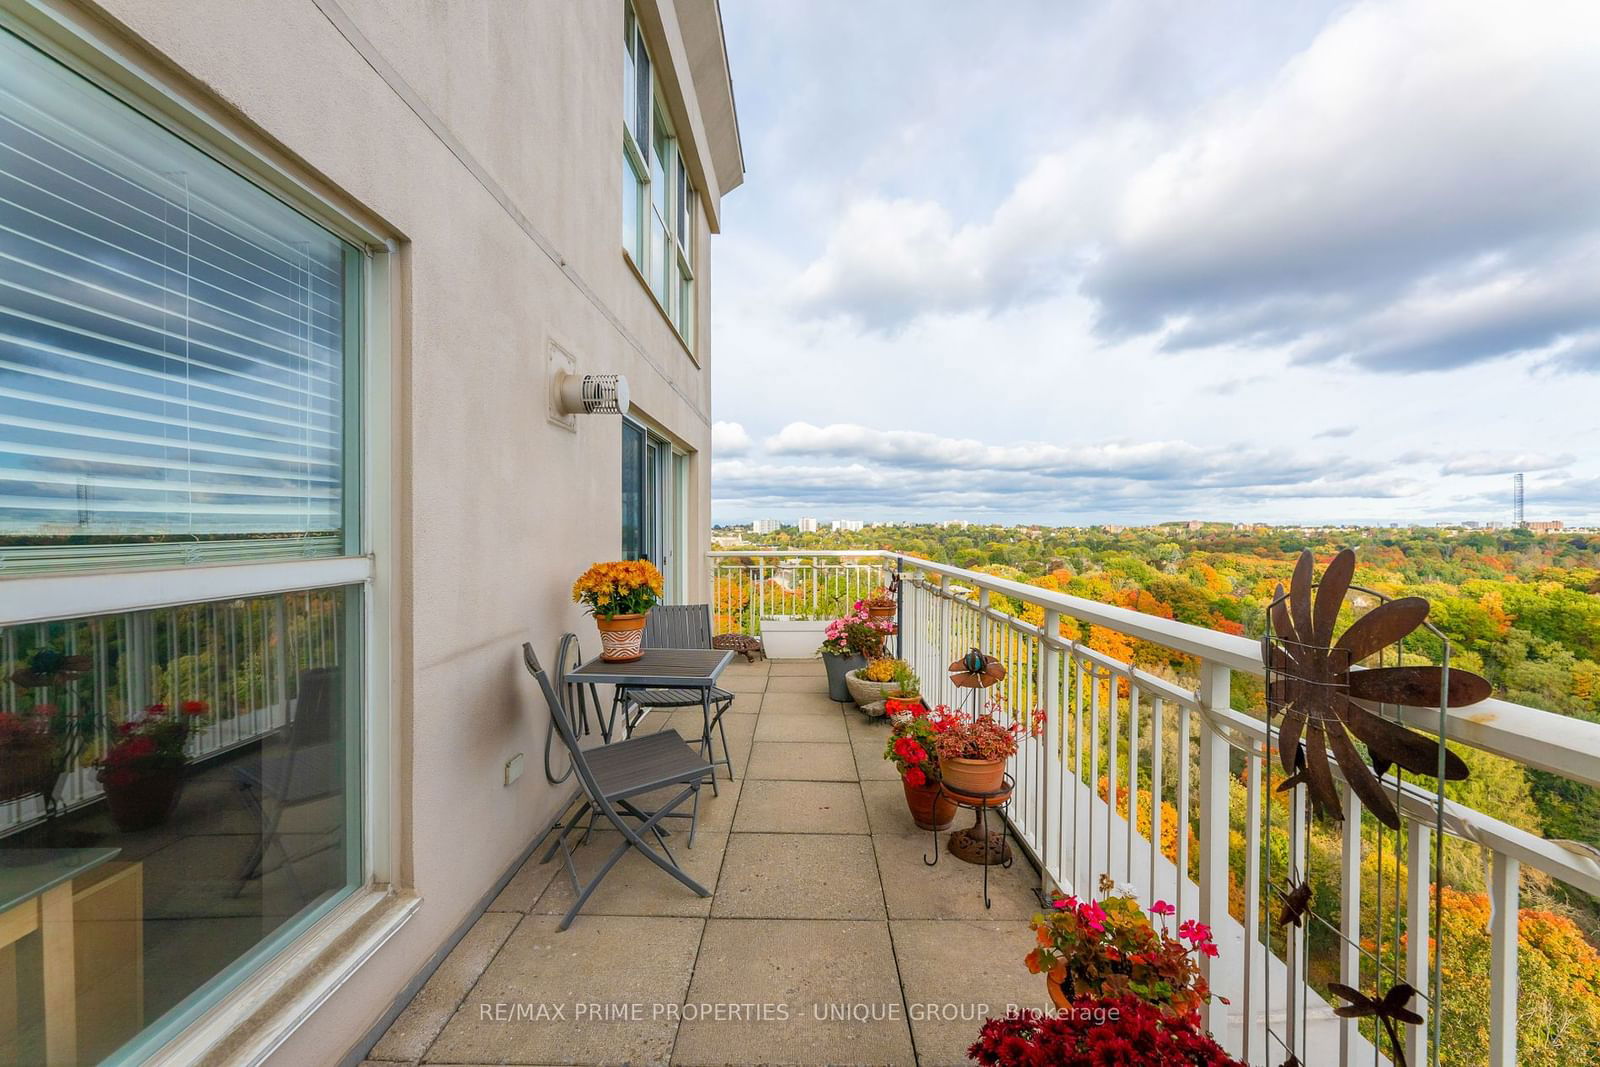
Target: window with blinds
{"points": [[176, 345]]}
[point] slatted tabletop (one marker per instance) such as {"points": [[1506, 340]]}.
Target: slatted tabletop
{"points": [[659, 668]]}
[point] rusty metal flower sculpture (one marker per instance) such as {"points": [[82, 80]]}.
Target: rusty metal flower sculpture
{"points": [[1295, 904], [1391, 1008], [976, 671], [1329, 703]]}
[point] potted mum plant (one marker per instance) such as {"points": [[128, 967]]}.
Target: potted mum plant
{"points": [[1124, 1030], [619, 595], [910, 749], [142, 771], [847, 645], [1111, 948], [870, 685], [973, 750]]}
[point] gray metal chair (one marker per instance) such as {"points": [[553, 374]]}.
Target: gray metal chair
{"points": [[310, 768], [611, 776], [678, 626]]}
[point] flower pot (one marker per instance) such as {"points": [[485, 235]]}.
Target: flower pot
{"points": [[865, 692], [621, 637], [838, 667], [931, 808], [28, 767], [146, 801], [877, 614], [972, 776]]}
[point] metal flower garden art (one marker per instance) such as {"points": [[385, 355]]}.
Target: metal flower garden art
{"points": [[1332, 704], [1327, 703]]}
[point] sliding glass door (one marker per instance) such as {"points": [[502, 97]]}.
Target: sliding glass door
{"points": [[651, 502]]}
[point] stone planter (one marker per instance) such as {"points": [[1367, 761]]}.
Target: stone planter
{"points": [[839, 667], [865, 692], [792, 638]]}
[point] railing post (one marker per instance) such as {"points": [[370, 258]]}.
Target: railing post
{"points": [[899, 611], [1214, 694], [1050, 878], [1350, 916], [1504, 898], [1419, 857], [983, 621]]}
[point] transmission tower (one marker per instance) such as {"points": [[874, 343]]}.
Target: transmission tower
{"points": [[1516, 501]]}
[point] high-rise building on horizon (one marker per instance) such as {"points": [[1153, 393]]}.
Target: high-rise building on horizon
{"points": [[808, 525], [766, 526]]}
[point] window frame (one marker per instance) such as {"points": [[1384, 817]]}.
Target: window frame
{"points": [[675, 257], [94, 51]]}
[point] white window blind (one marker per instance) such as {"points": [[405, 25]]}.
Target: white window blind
{"points": [[173, 343]]}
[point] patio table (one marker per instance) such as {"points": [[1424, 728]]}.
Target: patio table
{"points": [[669, 668]]}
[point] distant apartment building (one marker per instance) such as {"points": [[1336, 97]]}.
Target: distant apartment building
{"points": [[846, 525], [766, 526], [952, 524], [1553, 526], [808, 525]]}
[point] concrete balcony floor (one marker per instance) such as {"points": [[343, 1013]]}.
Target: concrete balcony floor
{"points": [[822, 907]]}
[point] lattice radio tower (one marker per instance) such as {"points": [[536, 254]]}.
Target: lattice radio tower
{"points": [[1516, 501]]}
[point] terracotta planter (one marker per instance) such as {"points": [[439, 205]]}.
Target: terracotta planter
{"points": [[145, 802], [1054, 984], [876, 614], [27, 767], [931, 808], [972, 776], [621, 637]]}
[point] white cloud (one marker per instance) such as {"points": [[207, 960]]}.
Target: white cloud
{"points": [[729, 439], [1396, 193], [1486, 463], [1145, 261]]}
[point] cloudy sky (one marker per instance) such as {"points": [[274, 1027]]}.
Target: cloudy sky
{"points": [[1078, 262]]}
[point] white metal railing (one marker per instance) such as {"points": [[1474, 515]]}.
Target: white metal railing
{"points": [[242, 657], [1171, 751], [749, 587]]}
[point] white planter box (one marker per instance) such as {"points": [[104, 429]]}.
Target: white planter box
{"points": [[792, 638]]}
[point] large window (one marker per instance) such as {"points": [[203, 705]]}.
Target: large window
{"points": [[180, 784], [658, 215], [172, 345]]}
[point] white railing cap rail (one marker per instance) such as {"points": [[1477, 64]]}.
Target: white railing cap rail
{"points": [[1543, 740]]}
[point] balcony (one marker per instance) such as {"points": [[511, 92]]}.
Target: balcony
{"points": [[827, 923], [823, 916]]}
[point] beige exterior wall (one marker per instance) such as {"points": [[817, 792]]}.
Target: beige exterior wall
{"points": [[497, 509]]}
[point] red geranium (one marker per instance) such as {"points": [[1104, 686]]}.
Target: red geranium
{"points": [[911, 741], [1093, 1032], [149, 744]]}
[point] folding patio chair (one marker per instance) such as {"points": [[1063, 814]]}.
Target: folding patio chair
{"points": [[613, 774], [677, 626], [308, 769]]}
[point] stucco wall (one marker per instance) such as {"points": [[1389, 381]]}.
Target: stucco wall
{"points": [[498, 509]]}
